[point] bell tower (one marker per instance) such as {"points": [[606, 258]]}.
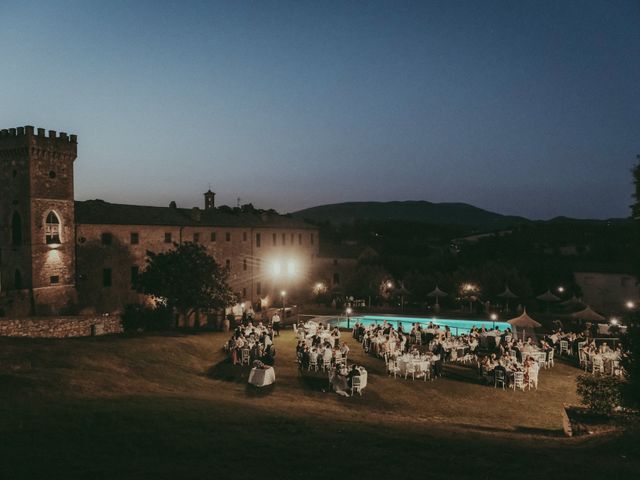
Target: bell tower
{"points": [[37, 220]]}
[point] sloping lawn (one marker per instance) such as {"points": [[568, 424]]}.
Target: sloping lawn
{"points": [[171, 406]]}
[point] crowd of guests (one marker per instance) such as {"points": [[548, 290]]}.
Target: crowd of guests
{"points": [[489, 348], [319, 346], [249, 343]]}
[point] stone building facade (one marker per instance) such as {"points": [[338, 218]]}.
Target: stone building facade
{"points": [[62, 256]]}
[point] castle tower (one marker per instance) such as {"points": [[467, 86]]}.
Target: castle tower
{"points": [[37, 220], [209, 200]]}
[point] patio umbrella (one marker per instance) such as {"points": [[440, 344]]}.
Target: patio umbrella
{"points": [[437, 293], [548, 297], [573, 302], [507, 294], [524, 322], [401, 291], [588, 314]]}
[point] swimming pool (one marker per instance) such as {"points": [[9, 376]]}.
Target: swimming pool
{"points": [[458, 327]]}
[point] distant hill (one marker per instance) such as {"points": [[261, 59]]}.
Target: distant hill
{"points": [[415, 211]]}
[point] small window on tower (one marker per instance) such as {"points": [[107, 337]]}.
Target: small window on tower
{"points": [[135, 238], [54, 279], [52, 229], [52, 174]]}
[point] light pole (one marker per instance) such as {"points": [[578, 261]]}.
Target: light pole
{"points": [[283, 294], [348, 311], [494, 317]]}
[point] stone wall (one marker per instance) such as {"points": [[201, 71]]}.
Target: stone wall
{"points": [[60, 327]]}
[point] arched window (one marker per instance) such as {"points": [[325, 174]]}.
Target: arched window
{"points": [[52, 229], [16, 229], [17, 280]]}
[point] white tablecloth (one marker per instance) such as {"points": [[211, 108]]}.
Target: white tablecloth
{"points": [[261, 377], [407, 364], [363, 378]]}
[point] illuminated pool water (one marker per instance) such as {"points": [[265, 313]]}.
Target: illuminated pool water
{"points": [[458, 327]]}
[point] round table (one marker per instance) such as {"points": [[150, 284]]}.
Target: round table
{"points": [[261, 377]]}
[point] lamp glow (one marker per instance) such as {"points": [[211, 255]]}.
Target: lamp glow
{"points": [[276, 268], [291, 268]]}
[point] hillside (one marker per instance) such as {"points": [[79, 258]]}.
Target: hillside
{"points": [[415, 211]]}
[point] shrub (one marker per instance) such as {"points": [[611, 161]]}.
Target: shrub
{"points": [[600, 394], [631, 363], [138, 317]]}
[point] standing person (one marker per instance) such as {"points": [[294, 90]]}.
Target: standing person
{"points": [[275, 323]]}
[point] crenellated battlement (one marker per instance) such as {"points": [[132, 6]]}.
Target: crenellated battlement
{"points": [[28, 136]]}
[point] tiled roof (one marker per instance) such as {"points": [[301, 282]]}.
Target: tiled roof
{"points": [[99, 212]]}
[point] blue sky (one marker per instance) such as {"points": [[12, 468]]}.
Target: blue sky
{"points": [[527, 108]]}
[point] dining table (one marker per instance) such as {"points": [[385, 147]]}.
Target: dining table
{"points": [[262, 376]]}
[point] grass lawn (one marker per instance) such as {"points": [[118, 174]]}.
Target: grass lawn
{"points": [[170, 406]]}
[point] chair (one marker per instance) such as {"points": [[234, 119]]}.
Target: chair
{"points": [[326, 364], [356, 385], [394, 368], [499, 378], [542, 359], [597, 365], [245, 356], [533, 377], [582, 357], [337, 358], [550, 362], [411, 370], [518, 381], [564, 347], [313, 363]]}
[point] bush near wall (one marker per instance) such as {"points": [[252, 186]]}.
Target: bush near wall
{"points": [[139, 317], [601, 394]]}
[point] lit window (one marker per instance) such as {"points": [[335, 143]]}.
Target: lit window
{"points": [[52, 229]]}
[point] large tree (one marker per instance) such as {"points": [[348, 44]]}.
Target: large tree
{"points": [[186, 279], [631, 341]]}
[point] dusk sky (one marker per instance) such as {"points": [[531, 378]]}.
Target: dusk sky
{"points": [[525, 108]]}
